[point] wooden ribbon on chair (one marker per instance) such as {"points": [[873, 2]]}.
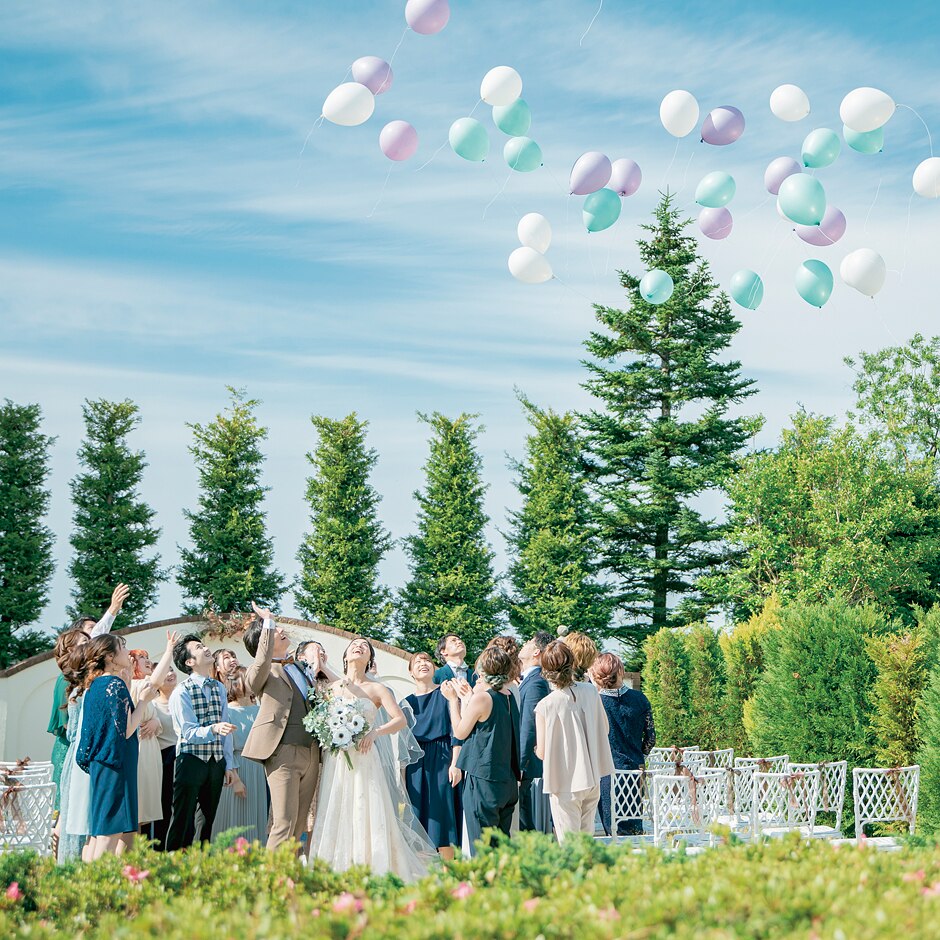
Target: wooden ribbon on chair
{"points": [[10, 801], [730, 785], [693, 794], [764, 766], [894, 775]]}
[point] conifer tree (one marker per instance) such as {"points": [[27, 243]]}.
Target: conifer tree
{"points": [[340, 556], [451, 588], [900, 661], [113, 527], [706, 682], [928, 756], [666, 684], [231, 562]]}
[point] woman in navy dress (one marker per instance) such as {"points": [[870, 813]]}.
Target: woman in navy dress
{"points": [[436, 803], [107, 750]]}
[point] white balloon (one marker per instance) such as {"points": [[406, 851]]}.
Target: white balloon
{"points": [[349, 104], [864, 270], [535, 231], [789, 103], [528, 266], [679, 112], [866, 109], [501, 86], [927, 178]]}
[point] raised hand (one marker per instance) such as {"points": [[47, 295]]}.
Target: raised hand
{"points": [[262, 612], [172, 638], [118, 596]]}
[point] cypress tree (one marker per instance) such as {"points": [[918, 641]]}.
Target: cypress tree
{"points": [[706, 681], [340, 555], [666, 684], [900, 661], [928, 756]]}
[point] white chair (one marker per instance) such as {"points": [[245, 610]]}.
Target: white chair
{"points": [[885, 794], [35, 773], [766, 765], [738, 798], [693, 760], [832, 777], [630, 800], [26, 817], [686, 805], [783, 802], [721, 758], [670, 755]]}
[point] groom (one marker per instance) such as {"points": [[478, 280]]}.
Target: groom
{"points": [[290, 754]]}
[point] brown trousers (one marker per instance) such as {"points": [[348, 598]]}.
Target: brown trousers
{"points": [[293, 772]]}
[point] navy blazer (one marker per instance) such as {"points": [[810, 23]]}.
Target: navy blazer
{"points": [[445, 672], [531, 691]]}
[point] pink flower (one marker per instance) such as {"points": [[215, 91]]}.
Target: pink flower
{"points": [[918, 875], [241, 846], [410, 906], [463, 890], [13, 891], [609, 913], [290, 884], [135, 874], [531, 904], [347, 902], [933, 891], [315, 912]]}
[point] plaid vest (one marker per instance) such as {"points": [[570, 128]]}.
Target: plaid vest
{"points": [[207, 704]]}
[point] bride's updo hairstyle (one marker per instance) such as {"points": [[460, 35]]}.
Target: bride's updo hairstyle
{"points": [[371, 665], [494, 667], [558, 664]]}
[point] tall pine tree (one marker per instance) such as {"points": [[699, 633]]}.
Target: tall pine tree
{"points": [[113, 527], [451, 588], [339, 558], [551, 540], [26, 564], [231, 562], [660, 435]]}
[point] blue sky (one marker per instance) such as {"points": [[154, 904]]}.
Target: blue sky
{"points": [[161, 235]]}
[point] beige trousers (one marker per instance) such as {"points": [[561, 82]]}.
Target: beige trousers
{"points": [[574, 812], [293, 772]]}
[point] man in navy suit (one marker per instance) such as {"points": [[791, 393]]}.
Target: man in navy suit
{"points": [[532, 689], [451, 651]]}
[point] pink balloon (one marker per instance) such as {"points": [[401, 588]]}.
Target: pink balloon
{"points": [[777, 171], [375, 73], [723, 126], [715, 223], [591, 172], [398, 140], [828, 232], [625, 177], [427, 16]]}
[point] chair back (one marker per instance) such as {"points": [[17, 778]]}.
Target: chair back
{"points": [[722, 758], [784, 800], [885, 794], [629, 798], [766, 765], [26, 816], [832, 777]]}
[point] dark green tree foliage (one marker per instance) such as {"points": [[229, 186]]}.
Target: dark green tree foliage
{"points": [[706, 685], [666, 685], [551, 540], [661, 434], [451, 588], [928, 807], [231, 562], [340, 556], [113, 527], [26, 564]]}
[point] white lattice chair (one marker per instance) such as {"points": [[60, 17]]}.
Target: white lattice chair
{"points": [[721, 758], [885, 794], [669, 755], [26, 817], [738, 796], [33, 772], [629, 800], [693, 760], [832, 777], [783, 802], [766, 765], [686, 805]]}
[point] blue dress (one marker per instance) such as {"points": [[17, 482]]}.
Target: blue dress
{"points": [[436, 803], [109, 756]]}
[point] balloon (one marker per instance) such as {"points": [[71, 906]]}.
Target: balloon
{"points": [[528, 266], [501, 86], [522, 154], [802, 199], [869, 142], [679, 113], [866, 109], [535, 232], [777, 171], [828, 232], [747, 289], [375, 73], [591, 172], [814, 282], [927, 178], [349, 104], [513, 119], [723, 126], [864, 270], [789, 103], [625, 177], [715, 190], [656, 287], [601, 210], [820, 148], [469, 139], [398, 140], [427, 16], [715, 223]]}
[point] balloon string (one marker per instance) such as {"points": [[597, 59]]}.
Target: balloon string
{"points": [[490, 168], [300, 159], [596, 15], [874, 304], [685, 175], [760, 205], [477, 105], [404, 33], [765, 263], [573, 290], [381, 194], [669, 168], [431, 158], [568, 236], [502, 189], [922, 121], [872, 206]]}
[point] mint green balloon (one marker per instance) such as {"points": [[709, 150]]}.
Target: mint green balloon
{"points": [[820, 148], [522, 154], [469, 139], [513, 119], [601, 210], [715, 190], [747, 289], [802, 199], [814, 282], [868, 142], [656, 287]]}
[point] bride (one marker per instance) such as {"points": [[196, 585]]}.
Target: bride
{"points": [[364, 816]]}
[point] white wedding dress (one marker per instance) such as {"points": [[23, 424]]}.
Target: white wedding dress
{"points": [[364, 816]]}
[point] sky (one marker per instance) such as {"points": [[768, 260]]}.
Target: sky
{"points": [[175, 220]]}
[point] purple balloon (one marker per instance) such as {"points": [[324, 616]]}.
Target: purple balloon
{"points": [[427, 16], [398, 140], [777, 171], [625, 177], [828, 232], [715, 223], [591, 172], [723, 126], [375, 73]]}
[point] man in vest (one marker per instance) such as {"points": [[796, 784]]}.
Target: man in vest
{"points": [[205, 757]]}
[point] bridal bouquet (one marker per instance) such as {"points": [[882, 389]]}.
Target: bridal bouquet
{"points": [[339, 724]]}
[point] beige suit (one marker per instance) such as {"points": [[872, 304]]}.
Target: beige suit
{"points": [[290, 754]]}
